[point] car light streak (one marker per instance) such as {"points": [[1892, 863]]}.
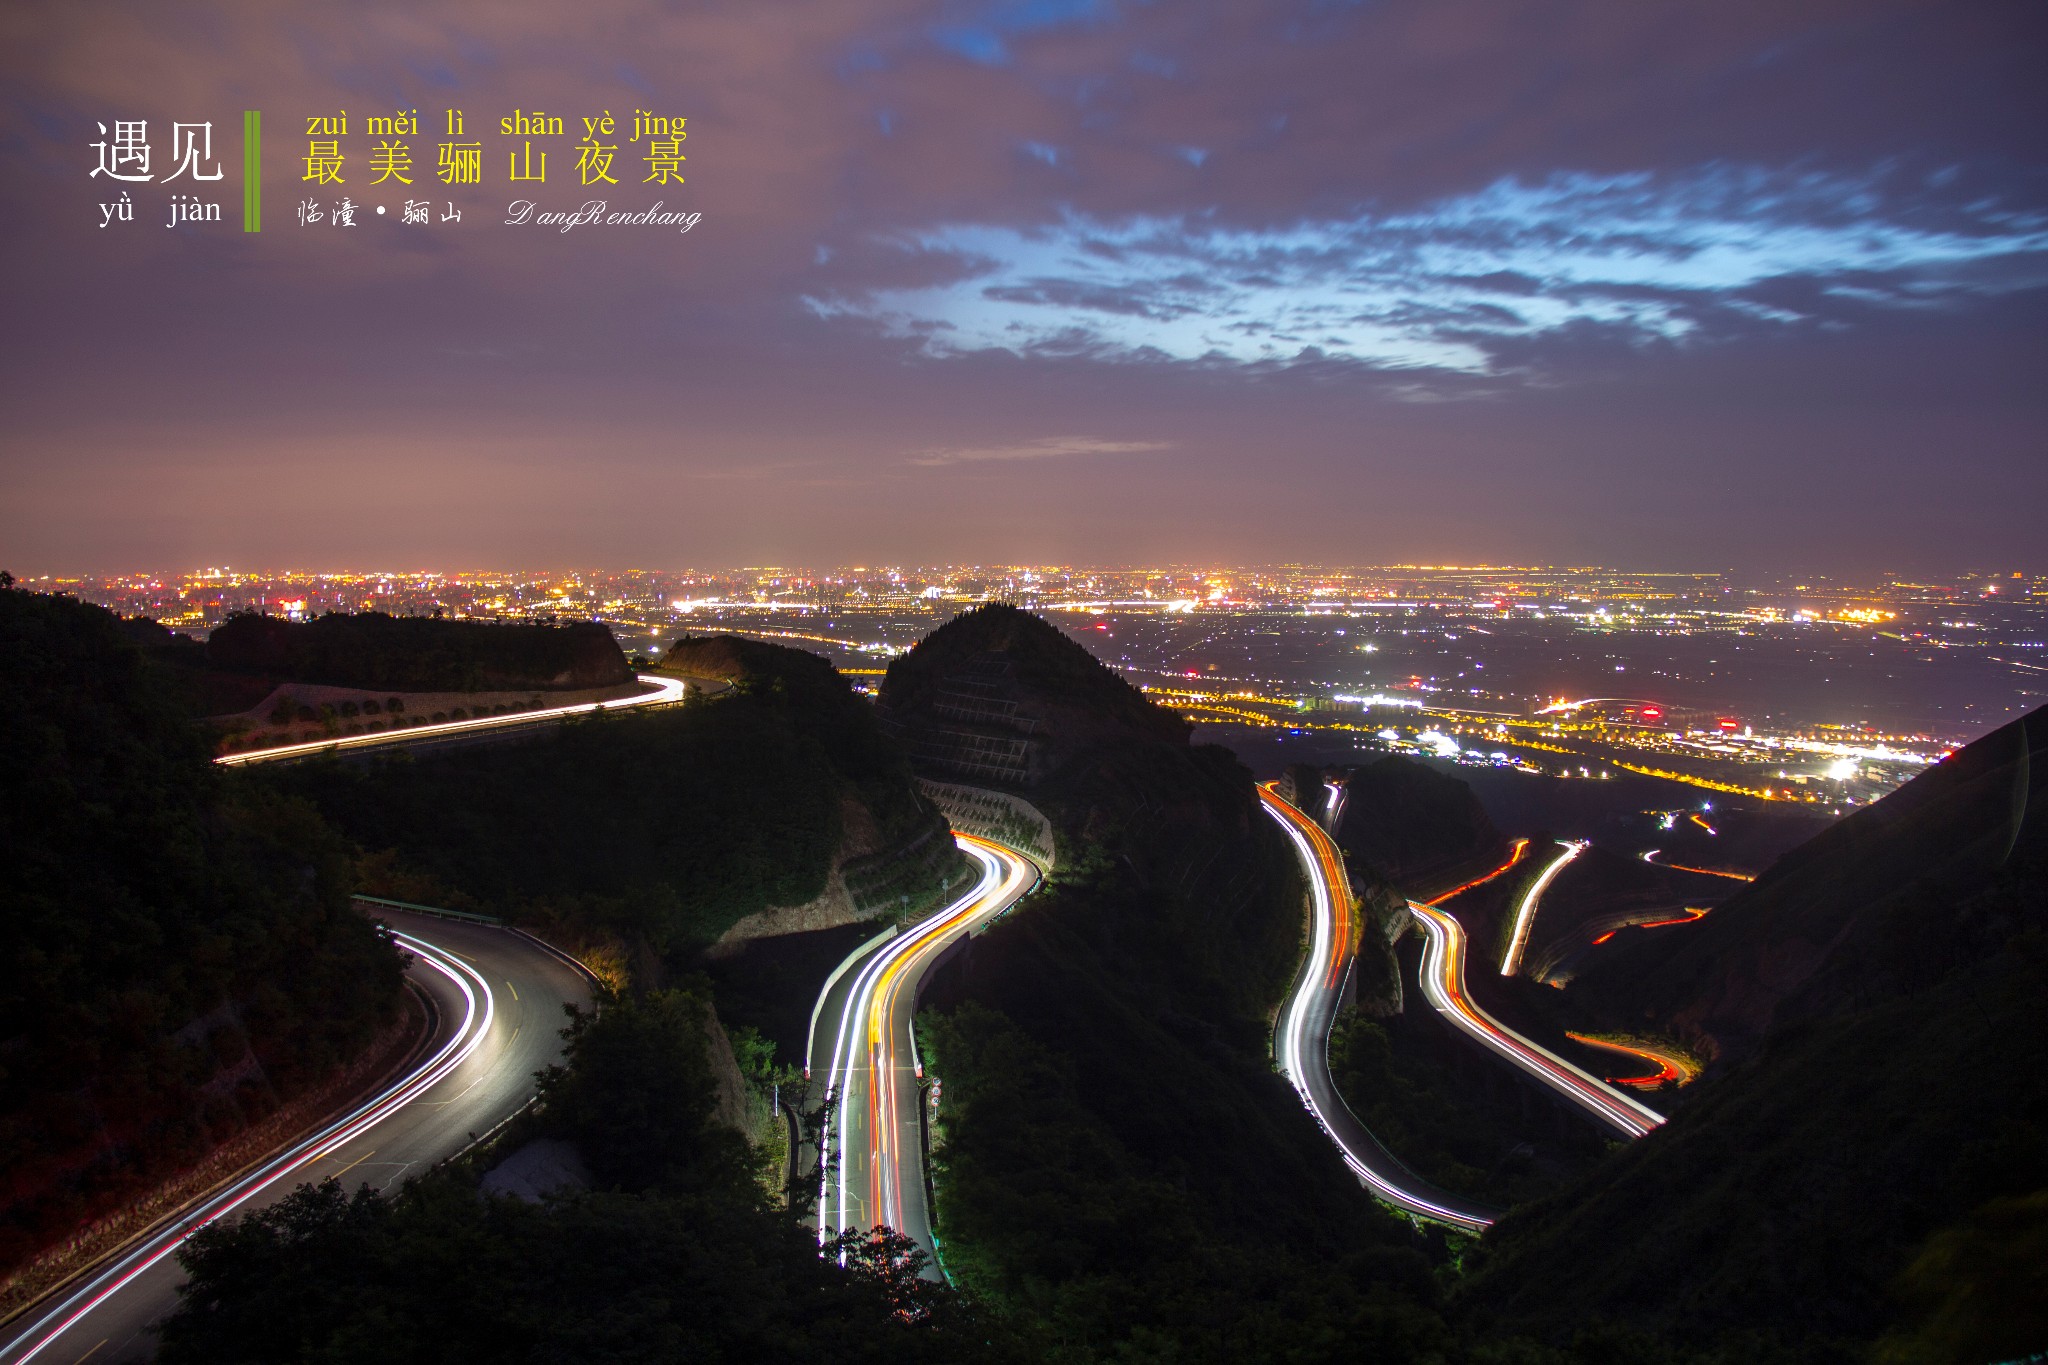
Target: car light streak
{"points": [[1302, 1039], [479, 1010], [1514, 857], [1691, 913], [667, 690], [1525, 911], [818, 1007], [1668, 1068], [1651, 858], [1685, 916], [1443, 981], [874, 1023]]}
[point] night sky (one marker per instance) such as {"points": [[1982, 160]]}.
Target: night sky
{"points": [[1742, 285]]}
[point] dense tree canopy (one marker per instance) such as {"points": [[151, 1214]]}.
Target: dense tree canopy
{"points": [[177, 953], [418, 653], [676, 1256], [662, 829]]}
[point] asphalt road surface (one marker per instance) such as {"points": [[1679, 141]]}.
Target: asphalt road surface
{"points": [[862, 1045], [498, 996], [1301, 1038], [1443, 981]]}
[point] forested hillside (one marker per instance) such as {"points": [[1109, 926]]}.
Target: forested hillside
{"points": [[997, 697], [1887, 902], [673, 1255], [177, 953], [1408, 824], [652, 834], [417, 653], [1869, 1158]]}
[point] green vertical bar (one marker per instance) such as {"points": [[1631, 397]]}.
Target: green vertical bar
{"points": [[252, 170]]}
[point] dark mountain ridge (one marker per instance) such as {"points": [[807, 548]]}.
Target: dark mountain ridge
{"points": [[998, 697], [418, 653], [1886, 902], [177, 953], [1408, 824], [1866, 1158]]}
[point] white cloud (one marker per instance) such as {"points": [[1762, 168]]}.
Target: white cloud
{"points": [[1050, 448], [1430, 288]]}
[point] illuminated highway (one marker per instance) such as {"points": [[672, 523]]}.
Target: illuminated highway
{"points": [[1443, 981], [1514, 857], [1670, 1066], [1651, 858], [498, 1000], [1525, 909], [1301, 1038], [666, 691], [867, 1055]]}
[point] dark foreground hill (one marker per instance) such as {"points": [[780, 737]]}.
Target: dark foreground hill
{"points": [[1120, 1174], [418, 653], [1872, 1154], [999, 698], [673, 1254], [654, 834], [177, 953], [1884, 904]]}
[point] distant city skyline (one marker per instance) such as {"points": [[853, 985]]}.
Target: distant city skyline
{"points": [[1727, 285], [1782, 659], [1993, 575]]}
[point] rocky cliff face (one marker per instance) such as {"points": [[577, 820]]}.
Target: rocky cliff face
{"points": [[1007, 819], [895, 854], [1376, 979], [997, 697]]}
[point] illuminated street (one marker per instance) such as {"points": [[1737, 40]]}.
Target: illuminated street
{"points": [[498, 999], [1301, 1042], [1443, 981], [867, 1055]]}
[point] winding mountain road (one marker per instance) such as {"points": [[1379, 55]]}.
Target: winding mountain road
{"points": [[497, 1001], [1525, 908], [864, 1048], [1301, 1039], [662, 691], [1443, 981]]}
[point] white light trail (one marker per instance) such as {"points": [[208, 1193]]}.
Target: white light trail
{"points": [[1443, 974], [476, 1024], [1525, 909], [666, 690], [864, 1055], [1298, 1048]]}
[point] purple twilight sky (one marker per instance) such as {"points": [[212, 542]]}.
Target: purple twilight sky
{"points": [[1681, 285]]}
